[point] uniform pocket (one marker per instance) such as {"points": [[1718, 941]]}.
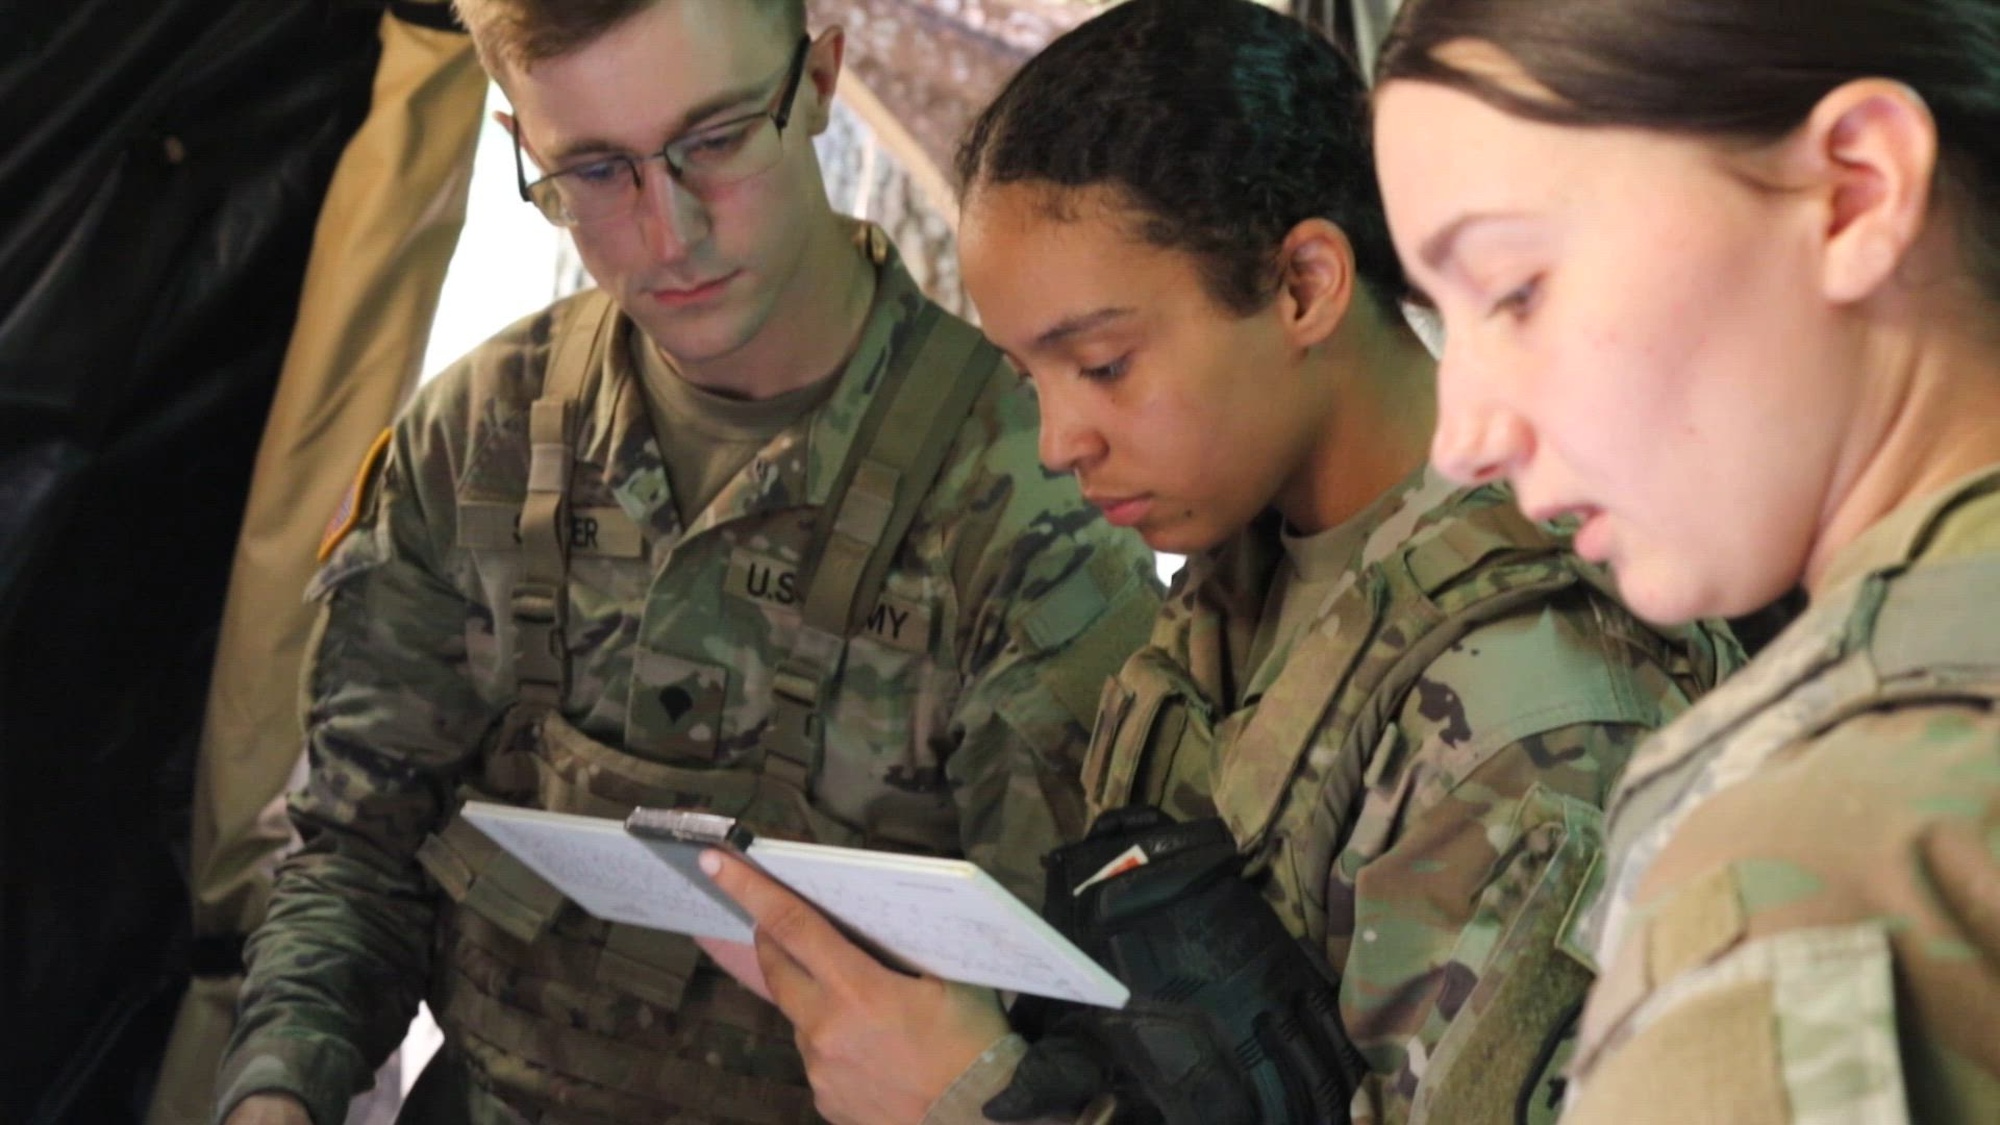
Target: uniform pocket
{"points": [[1153, 742]]}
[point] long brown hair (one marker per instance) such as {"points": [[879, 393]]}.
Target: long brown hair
{"points": [[1744, 69]]}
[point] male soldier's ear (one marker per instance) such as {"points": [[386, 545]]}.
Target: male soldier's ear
{"points": [[506, 121], [822, 78], [1868, 155], [1316, 282]]}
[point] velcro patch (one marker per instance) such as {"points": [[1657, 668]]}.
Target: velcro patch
{"points": [[896, 622], [1702, 920], [348, 513], [1713, 1058], [1064, 611]]}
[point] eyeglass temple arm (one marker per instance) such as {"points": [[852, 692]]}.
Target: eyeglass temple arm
{"points": [[784, 115], [520, 169]]}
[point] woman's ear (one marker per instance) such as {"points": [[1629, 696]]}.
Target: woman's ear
{"points": [[1316, 281], [1869, 154]]}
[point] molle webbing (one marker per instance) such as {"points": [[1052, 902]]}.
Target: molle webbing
{"points": [[553, 1007], [484, 878], [615, 1078], [1151, 706], [575, 773]]}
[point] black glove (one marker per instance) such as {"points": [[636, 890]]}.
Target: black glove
{"points": [[1230, 1021]]}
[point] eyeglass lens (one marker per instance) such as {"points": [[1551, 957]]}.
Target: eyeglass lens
{"points": [[702, 161]]}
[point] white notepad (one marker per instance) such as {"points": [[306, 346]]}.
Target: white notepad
{"points": [[946, 917]]}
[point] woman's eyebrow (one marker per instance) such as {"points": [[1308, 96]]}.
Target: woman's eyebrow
{"points": [[1076, 325]]}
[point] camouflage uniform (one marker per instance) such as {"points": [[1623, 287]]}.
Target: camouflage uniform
{"points": [[954, 724], [1417, 779], [1802, 919]]}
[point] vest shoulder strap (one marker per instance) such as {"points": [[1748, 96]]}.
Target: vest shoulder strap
{"points": [[1913, 635], [580, 333], [1901, 635], [1478, 565], [937, 374], [1929, 623]]}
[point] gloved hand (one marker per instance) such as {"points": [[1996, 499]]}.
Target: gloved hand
{"points": [[1230, 1021]]}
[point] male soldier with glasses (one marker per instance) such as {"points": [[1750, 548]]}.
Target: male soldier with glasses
{"points": [[754, 526]]}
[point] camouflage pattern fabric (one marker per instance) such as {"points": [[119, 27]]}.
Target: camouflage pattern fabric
{"points": [[1802, 920], [1434, 863], [955, 726]]}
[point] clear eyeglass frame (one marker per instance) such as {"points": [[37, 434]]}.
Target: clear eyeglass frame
{"points": [[714, 156]]}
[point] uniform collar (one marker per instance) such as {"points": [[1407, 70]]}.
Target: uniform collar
{"points": [[798, 466]]}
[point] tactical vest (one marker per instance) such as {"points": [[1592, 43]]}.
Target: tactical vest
{"points": [[551, 1008], [1905, 635], [1350, 672]]}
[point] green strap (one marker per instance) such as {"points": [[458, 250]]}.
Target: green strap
{"points": [[916, 433], [890, 467], [539, 600]]}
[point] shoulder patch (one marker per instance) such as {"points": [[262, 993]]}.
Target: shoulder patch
{"points": [[348, 513]]}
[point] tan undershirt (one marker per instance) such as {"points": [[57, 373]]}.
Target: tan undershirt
{"points": [[706, 438], [1313, 565]]}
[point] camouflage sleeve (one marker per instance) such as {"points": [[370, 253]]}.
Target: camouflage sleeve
{"points": [[1819, 941], [1478, 830], [1051, 601], [337, 968], [964, 1101]]}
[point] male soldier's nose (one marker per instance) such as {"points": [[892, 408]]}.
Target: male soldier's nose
{"points": [[670, 216]]}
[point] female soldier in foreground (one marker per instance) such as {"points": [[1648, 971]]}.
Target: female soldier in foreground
{"points": [[1724, 281], [1402, 699]]}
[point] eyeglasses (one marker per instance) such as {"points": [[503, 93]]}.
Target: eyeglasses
{"points": [[714, 156]]}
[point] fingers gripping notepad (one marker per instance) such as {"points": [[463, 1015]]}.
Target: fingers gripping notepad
{"points": [[945, 917]]}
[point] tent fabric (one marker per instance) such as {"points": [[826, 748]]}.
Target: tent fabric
{"points": [[386, 234], [162, 165]]}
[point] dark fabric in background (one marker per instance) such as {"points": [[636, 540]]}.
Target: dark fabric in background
{"points": [[162, 164]]}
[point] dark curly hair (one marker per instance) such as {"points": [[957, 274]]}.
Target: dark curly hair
{"points": [[1223, 122]]}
